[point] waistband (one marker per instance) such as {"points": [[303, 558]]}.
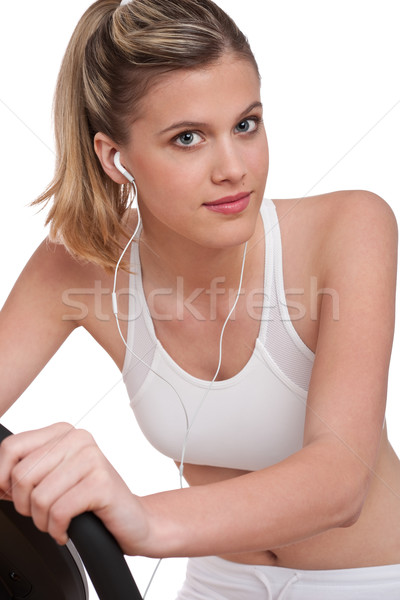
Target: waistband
{"points": [[367, 575]]}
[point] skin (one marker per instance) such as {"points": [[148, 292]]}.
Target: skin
{"points": [[335, 503]]}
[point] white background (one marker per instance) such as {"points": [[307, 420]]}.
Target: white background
{"points": [[332, 110]]}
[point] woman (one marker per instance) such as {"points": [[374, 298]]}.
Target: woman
{"points": [[273, 412]]}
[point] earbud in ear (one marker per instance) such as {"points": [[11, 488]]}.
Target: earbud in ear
{"points": [[121, 169]]}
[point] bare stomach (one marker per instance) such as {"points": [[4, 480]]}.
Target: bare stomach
{"points": [[373, 540]]}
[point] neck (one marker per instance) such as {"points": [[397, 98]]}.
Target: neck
{"points": [[171, 263]]}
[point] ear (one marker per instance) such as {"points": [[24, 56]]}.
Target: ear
{"points": [[105, 149]]}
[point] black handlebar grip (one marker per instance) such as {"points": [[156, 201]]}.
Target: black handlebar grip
{"points": [[103, 559], [4, 433]]}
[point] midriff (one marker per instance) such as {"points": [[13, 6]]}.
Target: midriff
{"points": [[372, 541]]}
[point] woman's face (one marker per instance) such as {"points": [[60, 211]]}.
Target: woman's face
{"points": [[199, 139]]}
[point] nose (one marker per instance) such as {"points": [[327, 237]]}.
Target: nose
{"points": [[228, 162]]}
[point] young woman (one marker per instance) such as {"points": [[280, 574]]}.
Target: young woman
{"points": [[272, 409]]}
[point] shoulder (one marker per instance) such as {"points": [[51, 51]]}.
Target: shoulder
{"points": [[349, 225], [53, 259], [70, 286], [357, 212], [359, 229], [56, 280], [345, 208], [52, 263]]}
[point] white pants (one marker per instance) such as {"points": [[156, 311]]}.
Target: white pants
{"points": [[212, 578]]}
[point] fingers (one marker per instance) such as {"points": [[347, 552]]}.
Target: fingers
{"points": [[32, 472], [53, 499], [86, 495], [49, 475], [15, 448]]}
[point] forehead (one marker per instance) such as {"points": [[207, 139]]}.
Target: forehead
{"points": [[202, 94]]}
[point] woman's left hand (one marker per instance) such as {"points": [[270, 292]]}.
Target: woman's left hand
{"points": [[58, 472]]}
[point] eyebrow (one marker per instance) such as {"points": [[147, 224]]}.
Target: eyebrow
{"points": [[199, 124]]}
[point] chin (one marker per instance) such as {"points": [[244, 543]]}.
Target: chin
{"points": [[229, 235]]}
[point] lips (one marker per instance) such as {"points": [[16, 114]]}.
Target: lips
{"points": [[229, 205], [228, 199]]}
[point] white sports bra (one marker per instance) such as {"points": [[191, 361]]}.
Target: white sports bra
{"points": [[250, 421]]}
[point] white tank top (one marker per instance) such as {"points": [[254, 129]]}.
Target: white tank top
{"points": [[250, 421]]}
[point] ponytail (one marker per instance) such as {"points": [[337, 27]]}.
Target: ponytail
{"points": [[86, 214]]}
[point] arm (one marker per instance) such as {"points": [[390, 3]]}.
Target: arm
{"points": [[322, 486], [31, 321], [34, 322]]}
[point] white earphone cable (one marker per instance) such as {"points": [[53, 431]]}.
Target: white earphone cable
{"points": [[217, 371], [201, 403]]}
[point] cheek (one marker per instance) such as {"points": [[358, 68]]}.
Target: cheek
{"points": [[258, 159], [169, 177], [166, 183], [152, 175]]}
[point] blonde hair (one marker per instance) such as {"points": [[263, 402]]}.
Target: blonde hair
{"points": [[114, 55]]}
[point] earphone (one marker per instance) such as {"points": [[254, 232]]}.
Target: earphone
{"points": [[189, 425], [121, 169]]}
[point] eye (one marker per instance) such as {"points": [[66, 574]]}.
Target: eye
{"points": [[187, 139], [247, 125]]}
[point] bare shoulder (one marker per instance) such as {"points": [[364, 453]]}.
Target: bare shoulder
{"points": [[360, 228], [55, 268], [76, 292], [52, 261], [334, 208], [336, 226], [355, 211]]}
